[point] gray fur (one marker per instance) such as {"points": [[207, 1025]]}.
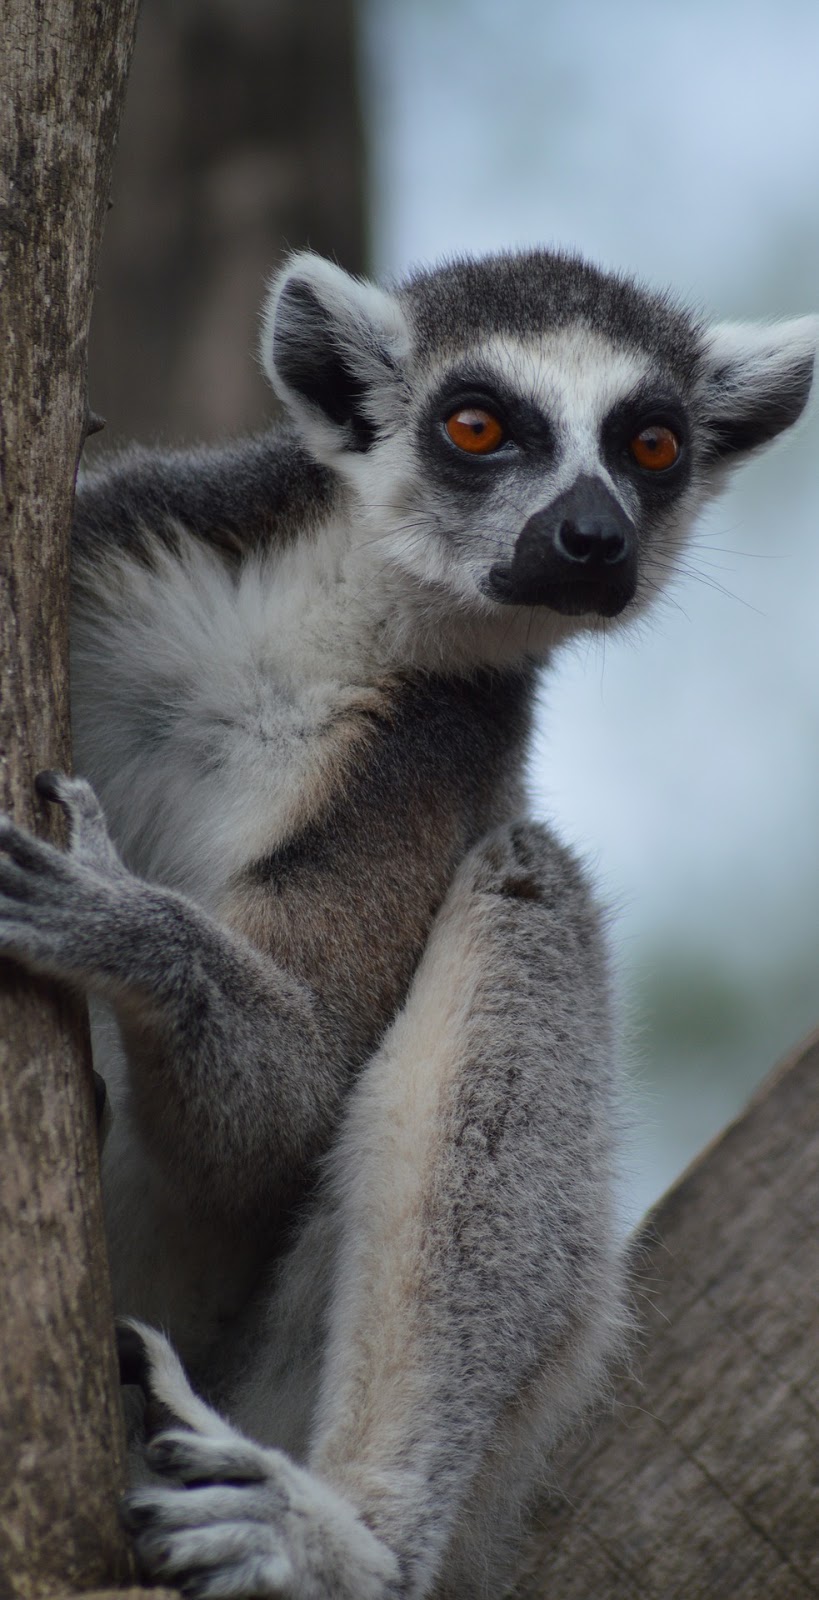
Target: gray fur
{"points": [[535, 291], [352, 1005], [235, 498]]}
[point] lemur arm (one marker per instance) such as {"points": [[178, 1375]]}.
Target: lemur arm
{"points": [[227, 1045], [478, 1285]]}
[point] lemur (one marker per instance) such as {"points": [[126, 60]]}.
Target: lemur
{"points": [[352, 1003]]}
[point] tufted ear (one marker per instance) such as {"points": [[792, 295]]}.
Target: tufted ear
{"points": [[757, 381], [333, 347]]}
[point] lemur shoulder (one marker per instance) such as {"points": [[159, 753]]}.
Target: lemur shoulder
{"points": [[351, 1002]]}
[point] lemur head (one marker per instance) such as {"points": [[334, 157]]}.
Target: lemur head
{"points": [[525, 433]]}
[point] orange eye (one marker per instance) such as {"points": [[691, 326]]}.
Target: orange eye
{"points": [[656, 448], [476, 431]]}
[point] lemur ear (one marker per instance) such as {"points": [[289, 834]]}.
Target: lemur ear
{"points": [[332, 347], [757, 381]]}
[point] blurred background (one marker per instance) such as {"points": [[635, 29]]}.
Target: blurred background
{"points": [[679, 142]]}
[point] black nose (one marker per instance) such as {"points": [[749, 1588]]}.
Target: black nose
{"points": [[591, 541], [578, 555]]}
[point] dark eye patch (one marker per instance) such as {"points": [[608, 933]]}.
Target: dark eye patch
{"points": [[529, 437], [645, 408]]}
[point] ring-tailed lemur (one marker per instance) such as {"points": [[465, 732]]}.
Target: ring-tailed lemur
{"points": [[365, 1096]]}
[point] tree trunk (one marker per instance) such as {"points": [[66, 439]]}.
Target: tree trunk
{"points": [[702, 1481], [63, 68]]}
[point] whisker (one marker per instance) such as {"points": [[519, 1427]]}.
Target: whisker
{"points": [[405, 527], [662, 596], [726, 550], [678, 568]]}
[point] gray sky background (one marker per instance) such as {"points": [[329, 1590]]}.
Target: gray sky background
{"points": [[682, 143]]}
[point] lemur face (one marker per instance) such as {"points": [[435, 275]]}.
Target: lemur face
{"points": [[527, 431], [552, 463]]}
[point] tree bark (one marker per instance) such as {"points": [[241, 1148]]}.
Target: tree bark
{"points": [[702, 1481], [63, 68]]}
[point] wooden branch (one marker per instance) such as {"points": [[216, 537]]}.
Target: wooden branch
{"points": [[62, 68], [703, 1482]]}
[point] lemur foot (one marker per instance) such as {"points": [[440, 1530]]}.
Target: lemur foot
{"points": [[231, 1519], [47, 896]]}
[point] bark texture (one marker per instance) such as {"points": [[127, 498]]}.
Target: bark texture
{"points": [[62, 68], [703, 1482], [122, 1594]]}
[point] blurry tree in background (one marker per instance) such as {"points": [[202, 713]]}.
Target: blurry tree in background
{"points": [[242, 137]]}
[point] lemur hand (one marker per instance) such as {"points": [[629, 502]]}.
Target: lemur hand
{"points": [[53, 903]]}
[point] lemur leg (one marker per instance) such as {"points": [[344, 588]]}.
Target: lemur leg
{"points": [[477, 1288], [211, 1024]]}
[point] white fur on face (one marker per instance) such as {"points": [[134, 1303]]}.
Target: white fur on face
{"points": [[443, 547], [425, 551], [576, 376]]}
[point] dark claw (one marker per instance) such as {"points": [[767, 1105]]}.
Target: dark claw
{"points": [[46, 784]]}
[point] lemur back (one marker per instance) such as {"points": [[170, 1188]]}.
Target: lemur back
{"points": [[355, 1006]]}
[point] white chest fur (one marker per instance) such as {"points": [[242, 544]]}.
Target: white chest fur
{"points": [[211, 708]]}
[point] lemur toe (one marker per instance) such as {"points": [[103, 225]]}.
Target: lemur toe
{"points": [[135, 1368]]}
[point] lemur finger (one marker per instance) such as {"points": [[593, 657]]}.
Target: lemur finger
{"points": [[48, 785], [134, 1361], [21, 847], [229, 1561], [15, 885], [193, 1459], [75, 795], [268, 1576], [158, 1370], [135, 1368], [201, 1506], [89, 837], [22, 940], [165, 1551]]}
